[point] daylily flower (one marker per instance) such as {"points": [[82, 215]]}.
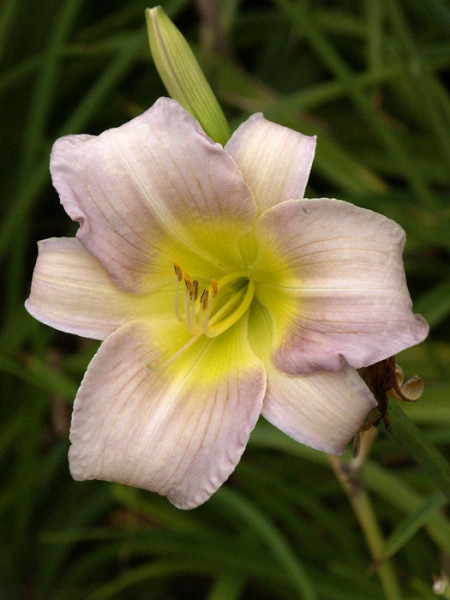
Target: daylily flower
{"points": [[220, 293]]}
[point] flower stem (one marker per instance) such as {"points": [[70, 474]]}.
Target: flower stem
{"points": [[348, 475]]}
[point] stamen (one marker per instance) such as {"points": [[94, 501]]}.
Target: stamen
{"points": [[215, 287], [195, 286], [192, 299], [198, 308], [207, 305], [179, 276], [204, 298], [203, 304], [188, 282], [178, 271], [187, 306]]}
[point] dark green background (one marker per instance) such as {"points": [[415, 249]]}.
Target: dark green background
{"points": [[368, 77]]}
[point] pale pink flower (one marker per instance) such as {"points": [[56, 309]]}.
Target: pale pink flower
{"points": [[284, 300]]}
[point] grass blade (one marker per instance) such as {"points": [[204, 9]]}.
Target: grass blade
{"points": [[411, 524], [416, 444]]}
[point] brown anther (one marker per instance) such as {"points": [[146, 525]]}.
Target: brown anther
{"points": [[189, 285], [195, 288], [178, 271], [215, 287], [204, 298]]}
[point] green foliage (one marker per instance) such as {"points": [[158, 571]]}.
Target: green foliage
{"points": [[368, 78]]}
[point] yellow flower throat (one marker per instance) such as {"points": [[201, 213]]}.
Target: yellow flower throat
{"points": [[219, 305]]}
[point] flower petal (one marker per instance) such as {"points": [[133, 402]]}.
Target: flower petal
{"points": [[71, 291], [150, 191], [323, 410], [179, 431], [332, 276], [274, 160]]}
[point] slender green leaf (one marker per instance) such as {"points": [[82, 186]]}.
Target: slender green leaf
{"points": [[276, 543], [332, 59], [411, 524], [7, 14], [148, 572], [227, 588], [416, 444]]}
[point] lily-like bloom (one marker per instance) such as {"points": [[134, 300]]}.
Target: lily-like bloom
{"points": [[220, 294]]}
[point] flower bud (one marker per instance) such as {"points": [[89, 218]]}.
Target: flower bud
{"points": [[182, 76]]}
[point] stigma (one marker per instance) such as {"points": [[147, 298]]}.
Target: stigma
{"points": [[213, 308]]}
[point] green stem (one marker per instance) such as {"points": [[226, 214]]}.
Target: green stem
{"points": [[362, 507]]}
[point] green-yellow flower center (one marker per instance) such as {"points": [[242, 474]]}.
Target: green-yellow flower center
{"points": [[217, 307]]}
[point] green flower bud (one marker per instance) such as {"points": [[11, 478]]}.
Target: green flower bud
{"points": [[182, 76]]}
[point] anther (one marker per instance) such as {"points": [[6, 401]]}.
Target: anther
{"points": [[178, 271], [179, 277], [195, 288], [215, 287], [204, 298], [189, 285]]}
